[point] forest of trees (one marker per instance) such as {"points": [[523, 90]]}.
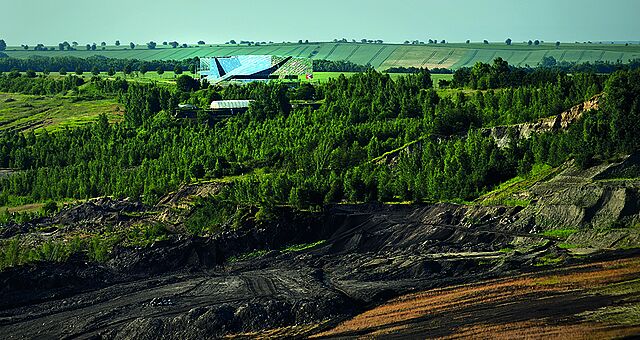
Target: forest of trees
{"points": [[320, 65], [311, 157], [402, 69], [500, 74], [103, 64]]}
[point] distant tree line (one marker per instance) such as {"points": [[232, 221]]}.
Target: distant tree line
{"points": [[500, 74], [402, 69], [100, 63], [321, 65]]}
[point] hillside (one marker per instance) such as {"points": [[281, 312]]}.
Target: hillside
{"points": [[380, 56], [313, 270]]}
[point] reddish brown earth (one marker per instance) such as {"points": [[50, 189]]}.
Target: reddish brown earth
{"points": [[593, 301]]}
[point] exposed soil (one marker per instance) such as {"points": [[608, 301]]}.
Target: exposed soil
{"points": [[191, 288], [549, 304]]}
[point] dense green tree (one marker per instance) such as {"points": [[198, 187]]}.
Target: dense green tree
{"points": [[3, 45], [342, 150], [186, 83], [144, 68], [127, 69]]}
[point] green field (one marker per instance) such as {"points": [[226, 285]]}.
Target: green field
{"points": [[35, 113], [322, 77], [380, 56]]}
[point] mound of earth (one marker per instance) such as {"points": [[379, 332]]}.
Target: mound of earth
{"points": [[303, 272]]}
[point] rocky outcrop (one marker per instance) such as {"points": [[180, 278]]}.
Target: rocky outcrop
{"points": [[502, 134]]}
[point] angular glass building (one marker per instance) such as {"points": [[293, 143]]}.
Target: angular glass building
{"points": [[253, 68]]}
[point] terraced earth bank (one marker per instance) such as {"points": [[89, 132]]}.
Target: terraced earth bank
{"points": [[565, 258]]}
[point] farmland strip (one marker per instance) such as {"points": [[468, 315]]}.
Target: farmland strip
{"points": [[475, 53], [406, 50], [562, 56], [446, 58], [490, 59], [170, 54], [301, 52], [353, 52], [376, 55], [525, 58], [581, 56], [601, 55], [331, 52], [431, 56], [385, 59]]}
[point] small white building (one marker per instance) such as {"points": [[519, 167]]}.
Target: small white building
{"points": [[231, 106]]}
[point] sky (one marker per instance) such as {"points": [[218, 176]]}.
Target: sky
{"points": [[87, 21]]}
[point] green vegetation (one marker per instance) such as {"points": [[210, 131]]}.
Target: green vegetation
{"points": [[548, 260], [507, 192], [15, 251], [380, 56], [426, 146], [301, 247], [53, 113], [560, 233]]}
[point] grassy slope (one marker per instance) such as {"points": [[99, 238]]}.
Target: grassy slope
{"points": [[381, 56], [27, 112]]}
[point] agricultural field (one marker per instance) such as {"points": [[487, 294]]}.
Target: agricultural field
{"points": [[380, 56], [36, 113]]}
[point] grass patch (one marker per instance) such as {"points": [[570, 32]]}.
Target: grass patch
{"points": [[619, 315], [568, 246], [395, 151], [16, 252], [145, 235], [547, 281], [508, 192], [301, 247], [560, 233], [548, 260], [53, 113]]}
